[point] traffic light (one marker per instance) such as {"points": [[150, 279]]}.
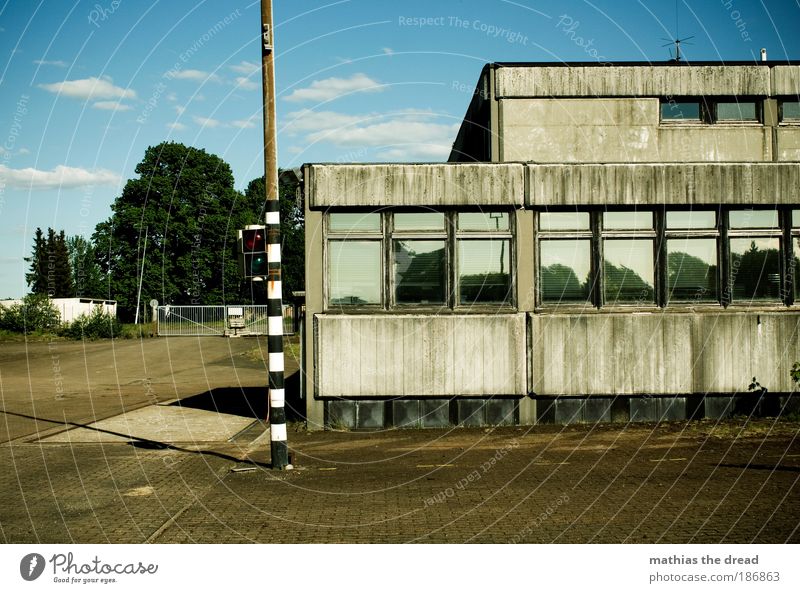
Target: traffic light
{"points": [[253, 251]]}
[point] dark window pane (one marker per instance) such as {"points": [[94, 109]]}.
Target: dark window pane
{"points": [[736, 111], [691, 219], [484, 271], [354, 221], [628, 275], [355, 272], [755, 269], [564, 221], [419, 221], [754, 219], [692, 269], [625, 221], [680, 110], [796, 268], [791, 110], [483, 221], [565, 270], [419, 272]]}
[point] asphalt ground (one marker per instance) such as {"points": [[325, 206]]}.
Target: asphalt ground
{"points": [[153, 441]]}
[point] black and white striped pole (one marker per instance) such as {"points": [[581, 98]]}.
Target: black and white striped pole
{"points": [[277, 412]]}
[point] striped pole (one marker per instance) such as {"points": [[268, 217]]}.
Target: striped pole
{"points": [[277, 412]]}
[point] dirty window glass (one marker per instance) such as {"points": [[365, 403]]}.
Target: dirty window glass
{"points": [[565, 270], [355, 272], [419, 272], [484, 271]]}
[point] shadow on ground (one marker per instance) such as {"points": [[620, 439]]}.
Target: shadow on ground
{"points": [[249, 402]]}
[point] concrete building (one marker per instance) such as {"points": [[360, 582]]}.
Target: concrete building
{"points": [[607, 243], [71, 308]]}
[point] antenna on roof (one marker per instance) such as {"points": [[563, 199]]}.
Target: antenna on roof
{"points": [[677, 41]]}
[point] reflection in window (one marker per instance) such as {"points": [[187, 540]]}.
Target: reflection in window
{"points": [[355, 272], [565, 270], [680, 110], [419, 221], [692, 269], [419, 272], [755, 269], [754, 219], [691, 219], [354, 221], [483, 271], [796, 267], [790, 111], [627, 220], [483, 221], [628, 274], [564, 221], [736, 111]]}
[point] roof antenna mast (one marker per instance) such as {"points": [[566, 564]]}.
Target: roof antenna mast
{"points": [[677, 41]]}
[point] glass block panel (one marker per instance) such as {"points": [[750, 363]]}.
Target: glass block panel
{"points": [[483, 221], [355, 272], [628, 272], [791, 110], [354, 221], [564, 221], [692, 269], [692, 219], [626, 221], [419, 272], [736, 111], [565, 270], [484, 271], [754, 219], [419, 221], [755, 269], [680, 110]]}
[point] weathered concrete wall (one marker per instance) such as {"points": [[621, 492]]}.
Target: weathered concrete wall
{"points": [[618, 131], [415, 185], [674, 184], [662, 353], [420, 355], [788, 140], [635, 81], [786, 80]]}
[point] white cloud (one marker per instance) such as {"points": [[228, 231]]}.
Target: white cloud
{"points": [[23, 151], [57, 63], [246, 84], [180, 109], [250, 122], [307, 120], [172, 97], [294, 150], [177, 127], [90, 88], [199, 75], [207, 122], [331, 88], [245, 68], [112, 106], [388, 51], [60, 177]]}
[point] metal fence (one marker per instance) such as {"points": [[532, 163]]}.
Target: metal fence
{"points": [[219, 320]]}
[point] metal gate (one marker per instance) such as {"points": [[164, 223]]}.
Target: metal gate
{"points": [[218, 320]]}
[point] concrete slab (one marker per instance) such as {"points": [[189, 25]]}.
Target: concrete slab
{"points": [[160, 423]]}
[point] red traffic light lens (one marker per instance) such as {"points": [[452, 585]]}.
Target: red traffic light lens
{"points": [[254, 240]]}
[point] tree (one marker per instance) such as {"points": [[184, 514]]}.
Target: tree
{"points": [[87, 277], [175, 225], [292, 227], [50, 273]]}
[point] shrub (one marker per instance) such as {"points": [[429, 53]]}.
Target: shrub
{"points": [[36, 314], [91, 327]]}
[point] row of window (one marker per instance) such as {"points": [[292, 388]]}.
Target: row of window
{"points": [[709, 111], [599, 258]]}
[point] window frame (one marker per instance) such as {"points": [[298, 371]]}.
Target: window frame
{"points": [[793, 121], [777, 232], [709, 111]]}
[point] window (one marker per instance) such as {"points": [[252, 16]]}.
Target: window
{"points": [[667, 257], [755, 261], [790, 111], [441, 259], [710, 111]]}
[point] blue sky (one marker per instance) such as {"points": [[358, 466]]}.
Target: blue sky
{"points": [[85, 87]]}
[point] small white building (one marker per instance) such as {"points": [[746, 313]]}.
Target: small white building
{"points": [[71, 309]]}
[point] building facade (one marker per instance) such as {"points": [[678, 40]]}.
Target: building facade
{"points": [[607, 243]]}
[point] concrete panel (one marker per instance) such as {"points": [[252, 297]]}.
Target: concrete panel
{"points": [[788, 140], [415, 185], [714, 143], [635, 81], [420, 355], [786, 80], [662, 353], [678, 184]]}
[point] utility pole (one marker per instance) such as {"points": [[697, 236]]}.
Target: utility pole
{"points": [[279, 450]]}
